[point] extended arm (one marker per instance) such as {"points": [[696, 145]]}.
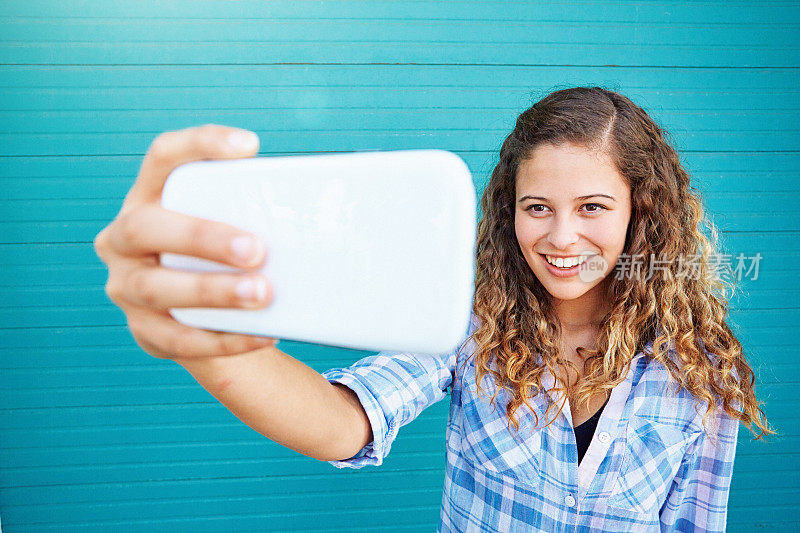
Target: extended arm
{"points": [[286, 401]]}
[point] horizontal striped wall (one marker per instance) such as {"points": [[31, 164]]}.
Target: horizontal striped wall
{"points": [[95, 435]]}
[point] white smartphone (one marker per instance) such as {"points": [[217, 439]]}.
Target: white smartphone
{"points": [[365, 250]]}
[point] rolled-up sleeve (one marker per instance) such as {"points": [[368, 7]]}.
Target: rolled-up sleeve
{"points": [[698, 498], [394, 388]]}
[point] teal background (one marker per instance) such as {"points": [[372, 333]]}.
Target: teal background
{"points": [[95, 435]]}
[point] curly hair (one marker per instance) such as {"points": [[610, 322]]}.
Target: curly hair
{"points": [[519, 333]]}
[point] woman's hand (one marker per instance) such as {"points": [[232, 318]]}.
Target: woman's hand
{"points": [[130, 246]]}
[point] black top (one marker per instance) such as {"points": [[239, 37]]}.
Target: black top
{"points": [[585, 432]]}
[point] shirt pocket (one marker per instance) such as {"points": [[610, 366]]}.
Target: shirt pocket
{"points": [[653, 454], [486, 443]]}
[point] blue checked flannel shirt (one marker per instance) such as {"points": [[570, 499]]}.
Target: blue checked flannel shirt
{"points": [[649, 467]]}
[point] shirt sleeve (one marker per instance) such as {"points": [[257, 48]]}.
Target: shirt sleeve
{"points": [[698, 498], [394, 388]]}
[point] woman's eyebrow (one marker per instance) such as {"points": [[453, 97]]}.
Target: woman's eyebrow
{"points": [[586, 197]]}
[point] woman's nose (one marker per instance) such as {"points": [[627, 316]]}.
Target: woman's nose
{"points": [[563, 234]]}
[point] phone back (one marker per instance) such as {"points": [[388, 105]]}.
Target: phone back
{"points": [[365, 250]]}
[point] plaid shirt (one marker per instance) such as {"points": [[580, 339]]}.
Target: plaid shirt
{"points": [[649, 467]]}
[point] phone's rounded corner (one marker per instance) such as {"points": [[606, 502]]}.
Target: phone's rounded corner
{"points": [[174, 312]]}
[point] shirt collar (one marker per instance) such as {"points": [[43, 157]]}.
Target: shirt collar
{"points": [[548, 381]]}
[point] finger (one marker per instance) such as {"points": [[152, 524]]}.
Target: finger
{"points": [[174, 148], [162, 336], [150, 229], [163, 288]]}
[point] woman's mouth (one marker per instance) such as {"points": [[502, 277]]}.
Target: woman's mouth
{"points": [[570, 266]]}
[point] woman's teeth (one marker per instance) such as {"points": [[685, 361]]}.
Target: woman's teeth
{"points": [[566, 262]]}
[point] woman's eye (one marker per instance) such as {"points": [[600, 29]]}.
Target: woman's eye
{"points": [[595, 205], [591, 208]]}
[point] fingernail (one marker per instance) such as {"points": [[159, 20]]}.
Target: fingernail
{"points": [[246, 249], [252, 289], [243, 140]]}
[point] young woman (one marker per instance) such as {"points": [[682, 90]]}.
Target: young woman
{"points": [[577, 396]]}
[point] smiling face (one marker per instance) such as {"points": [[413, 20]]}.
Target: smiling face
{"points": [[571, 202]]}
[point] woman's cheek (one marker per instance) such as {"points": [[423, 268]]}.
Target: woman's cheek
{"points": [[527, 230], [521, 231]]}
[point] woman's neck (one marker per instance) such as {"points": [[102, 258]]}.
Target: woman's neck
{"points": [[585, 312]]}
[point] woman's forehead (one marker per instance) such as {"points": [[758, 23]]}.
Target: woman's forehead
{"points": [[566, 169]]}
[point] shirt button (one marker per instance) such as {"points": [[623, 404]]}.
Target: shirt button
{"points": [[604, 437], [569, 500]]}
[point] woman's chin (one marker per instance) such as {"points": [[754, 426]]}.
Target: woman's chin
{"points": [[565, 295], [562, 289]]}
